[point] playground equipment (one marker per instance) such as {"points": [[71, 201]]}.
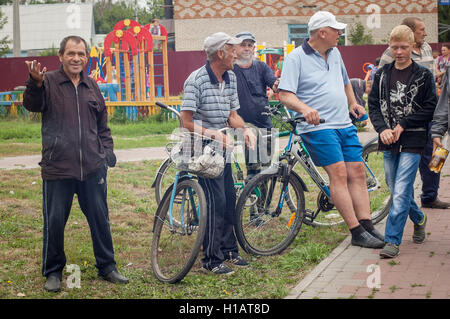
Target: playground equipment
{"points": [[132, 80], [274, 58]]}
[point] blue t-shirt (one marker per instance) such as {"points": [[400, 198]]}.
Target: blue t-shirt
{"points": [[319, 84], [252, 86]]}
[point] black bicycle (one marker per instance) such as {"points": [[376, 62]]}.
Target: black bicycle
{"points": [[273, 204]]}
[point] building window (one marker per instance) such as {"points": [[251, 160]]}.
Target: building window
{"points": [[299, 32]]}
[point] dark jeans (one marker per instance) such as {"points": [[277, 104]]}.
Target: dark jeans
{"points": [[261, 156], [219, 239], [57, 202], [430, 179]]}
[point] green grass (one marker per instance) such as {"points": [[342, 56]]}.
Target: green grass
{"points": [[23, 137], [132, 208]]}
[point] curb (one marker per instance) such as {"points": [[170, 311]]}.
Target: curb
{"points": [[298, 290]]}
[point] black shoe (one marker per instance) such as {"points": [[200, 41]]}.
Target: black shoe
{"points": [[219, 270], [115, 277], [53, 284], [375, 233], [436, 204], [237, 261], [366, 240]]}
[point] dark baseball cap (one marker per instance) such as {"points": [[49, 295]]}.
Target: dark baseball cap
{"points": [[245, 35]]}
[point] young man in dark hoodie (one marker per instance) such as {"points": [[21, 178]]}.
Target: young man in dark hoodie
{"points": [[401, 105]]}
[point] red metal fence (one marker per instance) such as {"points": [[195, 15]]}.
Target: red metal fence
{"points": [[13, 71]]}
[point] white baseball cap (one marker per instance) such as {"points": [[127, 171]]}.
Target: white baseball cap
{"points": [[322, 19], [217, 40]]}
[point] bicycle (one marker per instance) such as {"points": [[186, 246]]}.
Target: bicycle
{"points": [[269, 226], [166, 172], [179, 226]]}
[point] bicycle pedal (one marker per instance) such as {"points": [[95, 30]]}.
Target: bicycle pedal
{"points": [[308, 217]]}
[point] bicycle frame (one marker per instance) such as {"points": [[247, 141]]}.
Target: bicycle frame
{"points": [[296, 147]]}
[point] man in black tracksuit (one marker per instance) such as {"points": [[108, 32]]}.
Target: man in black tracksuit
{"points": [[76, 148]]}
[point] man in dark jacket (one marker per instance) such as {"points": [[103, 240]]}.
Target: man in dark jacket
{"points": [[401, 105], [253, 78], [76, 148]]}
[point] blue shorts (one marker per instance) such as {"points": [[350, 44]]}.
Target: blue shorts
{"points": [[330, 146]]}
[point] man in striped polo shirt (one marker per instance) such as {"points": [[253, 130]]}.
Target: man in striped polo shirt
{"points": [[423, 55], [210, 103]]}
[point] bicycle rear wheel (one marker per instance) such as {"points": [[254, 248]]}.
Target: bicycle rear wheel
{"points": [[164, 178], [380, 196], [178, 235], [260, 228]]}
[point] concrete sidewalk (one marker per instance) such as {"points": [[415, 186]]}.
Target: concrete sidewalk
{"points": [[421, 271], [127, 155]]}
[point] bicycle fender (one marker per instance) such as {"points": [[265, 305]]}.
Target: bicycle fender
{"points": [[300, 180], [273, 169], [167, 193], [157, 172]]}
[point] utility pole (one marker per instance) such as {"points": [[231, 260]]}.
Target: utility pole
{"points": [[136, 10], [16, 29]]}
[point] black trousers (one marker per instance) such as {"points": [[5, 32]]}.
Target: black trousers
{"points": [[430, 179], [57, 203], [219, 239], [260, 157]]}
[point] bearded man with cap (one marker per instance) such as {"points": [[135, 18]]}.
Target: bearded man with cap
{"points": [[253, 79], [315, 83], [210, 103]]}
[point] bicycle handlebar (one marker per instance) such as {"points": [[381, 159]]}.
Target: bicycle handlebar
{"points": [[169, 108], [275, 110]]}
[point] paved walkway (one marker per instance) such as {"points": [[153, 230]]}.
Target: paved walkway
{"points": [[421, 271]]}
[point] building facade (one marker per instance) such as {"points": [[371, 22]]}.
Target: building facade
{"points": [[277, 22], [43, 26]]}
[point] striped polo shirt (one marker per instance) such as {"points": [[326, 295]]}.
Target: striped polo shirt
{"points": [[424, 59], [210, 103]]}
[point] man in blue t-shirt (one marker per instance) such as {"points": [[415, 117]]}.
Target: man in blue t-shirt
{"points": [[253, 79], [315, 83]]}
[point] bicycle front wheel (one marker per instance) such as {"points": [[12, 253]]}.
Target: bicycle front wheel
{"points": [[178, 232], [268, 215]]}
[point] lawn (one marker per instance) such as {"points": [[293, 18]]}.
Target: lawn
{"points": [[23, 137], [132, 208]]}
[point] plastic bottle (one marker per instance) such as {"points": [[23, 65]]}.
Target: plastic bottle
{"points": [[439, 156]]}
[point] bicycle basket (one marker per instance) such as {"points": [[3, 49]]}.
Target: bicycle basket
{"points": [[198, 156]]}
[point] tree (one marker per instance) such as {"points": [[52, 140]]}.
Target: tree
{"points": [[444, 20], [107, 13], [4, 42], [357, 35]]}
